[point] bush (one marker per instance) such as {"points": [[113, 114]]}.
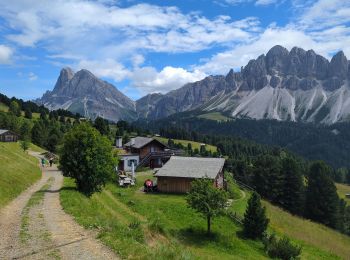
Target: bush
{"points": [[87, 157], [282, 248]]}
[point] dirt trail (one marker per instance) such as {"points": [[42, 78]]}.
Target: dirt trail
{"points": [[59, 236]]}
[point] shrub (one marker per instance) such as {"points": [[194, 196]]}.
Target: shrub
{"points": [[282, 248]]}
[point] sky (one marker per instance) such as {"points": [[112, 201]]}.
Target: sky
{"points": [[145, 47]]}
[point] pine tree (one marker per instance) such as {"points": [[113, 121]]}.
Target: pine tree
{"points": [[28, 113], [255, 221], [268, 180], [322, 200], [293, 192]]}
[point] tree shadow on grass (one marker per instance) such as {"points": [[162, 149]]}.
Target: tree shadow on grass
{"points": [[58, 190], [197, 237]]}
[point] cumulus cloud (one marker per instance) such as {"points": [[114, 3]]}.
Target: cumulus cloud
{"points": [[104, 68], [149, 80], [321, 26], [32, 76], [265, 2], [82, 25], [5, 54]]}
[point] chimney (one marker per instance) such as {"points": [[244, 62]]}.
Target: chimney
{"points": [[132, 141], [119, 142]]}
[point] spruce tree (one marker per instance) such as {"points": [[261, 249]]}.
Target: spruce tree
{"points": [[293, 192], [322, 200], [268, 180], [255, 221], [28, 113]]}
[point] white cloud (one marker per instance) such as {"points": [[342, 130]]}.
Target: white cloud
{"points": [[32, 76], [321, 26], [149, 80], [5, 54], [325, 14], [257, 2], [82, 25], [265, 2], [104, 68]]}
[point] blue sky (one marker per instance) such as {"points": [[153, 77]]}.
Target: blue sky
{"points": [[156, 46]]}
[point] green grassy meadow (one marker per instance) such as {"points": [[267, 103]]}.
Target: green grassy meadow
{"points": [[318, 241], [343, 189], [18, 171], [143, 226], [216, 116], [3, 107], [186, 142]]}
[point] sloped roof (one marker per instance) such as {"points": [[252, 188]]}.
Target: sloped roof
{"points": [[2, 131], [191, 167], [141, 142]]}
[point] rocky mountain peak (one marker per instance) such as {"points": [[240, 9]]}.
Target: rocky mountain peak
{"points": [[276, 59], [339, 65], [65, 76]]}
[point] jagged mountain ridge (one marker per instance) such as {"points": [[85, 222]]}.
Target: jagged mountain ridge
{"points": [[84, 93], [294, 85]]}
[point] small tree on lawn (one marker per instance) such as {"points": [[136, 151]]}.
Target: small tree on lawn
{"points": [[25, 145], [87, 157], [255, 221], [206, 199]]}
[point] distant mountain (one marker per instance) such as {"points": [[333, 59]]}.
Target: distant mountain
{"points": [[84, 93], [295, 85]]}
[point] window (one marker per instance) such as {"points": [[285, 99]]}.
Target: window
{"points": [[152, 149], [132, 161]]}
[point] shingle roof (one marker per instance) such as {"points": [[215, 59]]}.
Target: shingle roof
{"points": [[2, 131], [191, 167], [140, 142]]}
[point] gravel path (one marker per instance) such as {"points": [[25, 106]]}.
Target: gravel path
{"points": [[58, 237]]}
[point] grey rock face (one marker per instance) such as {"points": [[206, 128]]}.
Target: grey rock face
{"points": [[295, 85], [86, 94]]}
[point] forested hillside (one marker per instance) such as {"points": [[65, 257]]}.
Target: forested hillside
{"points": [[313, 142]]}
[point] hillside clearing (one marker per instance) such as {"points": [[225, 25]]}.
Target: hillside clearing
{"points": [[138, 225], [216, 116], [146, 226], [318, 241], [18, 171], [195, 145], [343, 189]]}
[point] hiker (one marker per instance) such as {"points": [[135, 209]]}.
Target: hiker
{"points": [[51, 161], [42, 162]]}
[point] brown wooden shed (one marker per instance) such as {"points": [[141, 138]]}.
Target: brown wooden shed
{"points": [[178, 173], [8, 136]]}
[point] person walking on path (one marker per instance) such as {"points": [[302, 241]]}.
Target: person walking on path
{"points": [[43, 162], [51, 161]]}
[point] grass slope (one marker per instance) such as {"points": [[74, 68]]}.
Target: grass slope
{"points": [[18, 171], [138, 225], [318, 241], [216, 116], [342, 190], [186, 142], [147, 226]]}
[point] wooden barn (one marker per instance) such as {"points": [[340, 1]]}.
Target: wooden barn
{"points": [[178, 173], [8, 136]]}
